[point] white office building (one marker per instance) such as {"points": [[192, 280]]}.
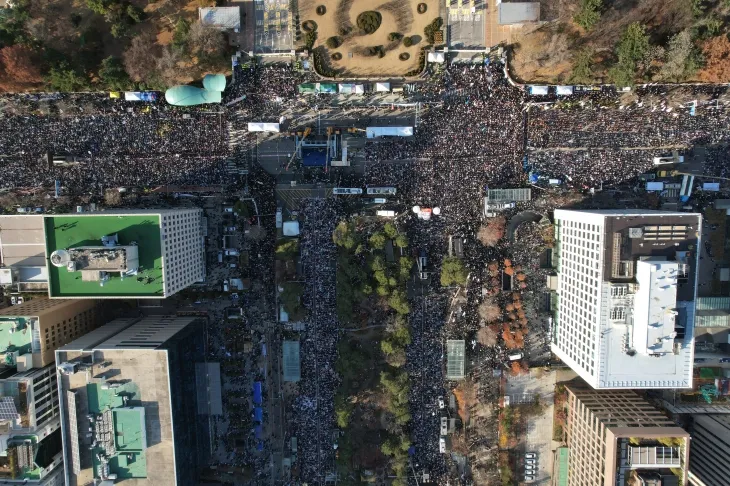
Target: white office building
{"points": [[626, 292]]}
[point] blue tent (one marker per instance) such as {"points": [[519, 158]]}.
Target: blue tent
{"points": [[257, 392], [258, 414]]}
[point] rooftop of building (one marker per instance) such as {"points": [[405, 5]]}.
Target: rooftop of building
{"points": [[16, 335], [138, 443], [70, 231]]}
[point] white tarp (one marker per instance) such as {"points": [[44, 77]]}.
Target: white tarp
{"points": [[263, 127], [382, 86], [373, 132], [538, 90], [564, 90], [436, 57]]}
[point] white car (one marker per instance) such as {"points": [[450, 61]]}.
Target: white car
{"points": [[441, 403], [225, 286], [529, 477], [530, 467], [232, 253], [530, 455], [530, 461]]}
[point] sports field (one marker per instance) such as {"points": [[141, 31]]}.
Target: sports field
{"points": [[76, 230]]}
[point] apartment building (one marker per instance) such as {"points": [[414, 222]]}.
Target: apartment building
{"points": [[617, 438], [626, 292]]}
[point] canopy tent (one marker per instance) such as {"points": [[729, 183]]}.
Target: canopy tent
{"points": [[438, 57], [564, 90], [537, 90], [292, 370], [140, 96], [349, 88], [382, 86], [263, 127], [326, 88], [306, 88], [258, 414], [455, 351], [290, 228], [257, 392], [373, 132]]}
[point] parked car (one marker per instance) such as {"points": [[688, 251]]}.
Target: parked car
{"points": [[229, 229], [441, 403], [228, 209], [530, 467], [530, 461], [530, 455], [529, 477], [230, 252], [225, 286], [220, 257], [724, 360], [233, 265], [700, 360]]}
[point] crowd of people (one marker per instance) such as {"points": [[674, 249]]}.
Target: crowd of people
{"points": [[314, 407]]}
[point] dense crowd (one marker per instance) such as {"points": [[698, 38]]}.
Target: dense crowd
{"points": [[314, 406]]}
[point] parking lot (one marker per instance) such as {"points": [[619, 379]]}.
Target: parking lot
{"points": [[524, 390]]}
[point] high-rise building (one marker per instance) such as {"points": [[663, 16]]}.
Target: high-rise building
{"points": [[614, 436], [626, 291], [36, 328], [132, 393], [709, 459], [30, 430], [140, 254]]}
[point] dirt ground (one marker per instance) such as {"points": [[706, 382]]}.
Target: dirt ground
{"points": [[397, 16]]}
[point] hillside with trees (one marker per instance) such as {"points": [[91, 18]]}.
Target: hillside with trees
{"points": [[60, 45], [614, 41]]}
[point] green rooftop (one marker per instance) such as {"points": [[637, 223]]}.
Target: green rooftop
{"points": [[130, 438], [15, 336], [71, 231], [562, 466]]}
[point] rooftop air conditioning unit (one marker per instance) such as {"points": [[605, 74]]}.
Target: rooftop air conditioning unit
{"points": [[636, 233]]}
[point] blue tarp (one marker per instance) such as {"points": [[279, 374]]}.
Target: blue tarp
{"points": [[259, 431], [257, 392], [314, 157], [258, 414], [534, 178]]}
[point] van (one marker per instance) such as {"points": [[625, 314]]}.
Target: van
{"points": [[442, 445]]}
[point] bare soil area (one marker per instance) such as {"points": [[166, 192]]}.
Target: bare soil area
{"points": [[398, 16]]}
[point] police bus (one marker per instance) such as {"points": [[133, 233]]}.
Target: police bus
{"points": [[388, 191], [343, 191]]}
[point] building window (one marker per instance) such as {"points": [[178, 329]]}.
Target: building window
{"points": [[618, 314]]}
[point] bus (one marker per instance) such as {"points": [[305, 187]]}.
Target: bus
{"points": [[688, 182], [343, 191], [389, 191]]}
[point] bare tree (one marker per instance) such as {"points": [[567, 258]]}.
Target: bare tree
{"points": [[489, 311], [168, 66], [139, 58], [487, 337], [205, 39], [492, 232]]}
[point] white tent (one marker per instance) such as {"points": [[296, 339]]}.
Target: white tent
{"points": [[373, 132], [263, 127], [291, 228], [359, 89], [382, 86], [436, 57], [564, 90], [538, 90]]}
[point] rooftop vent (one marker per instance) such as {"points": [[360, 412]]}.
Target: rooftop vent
{"points": [[636, 233]]}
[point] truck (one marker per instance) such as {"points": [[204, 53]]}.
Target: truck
{"points": [[515, 356], [675, 158]]}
